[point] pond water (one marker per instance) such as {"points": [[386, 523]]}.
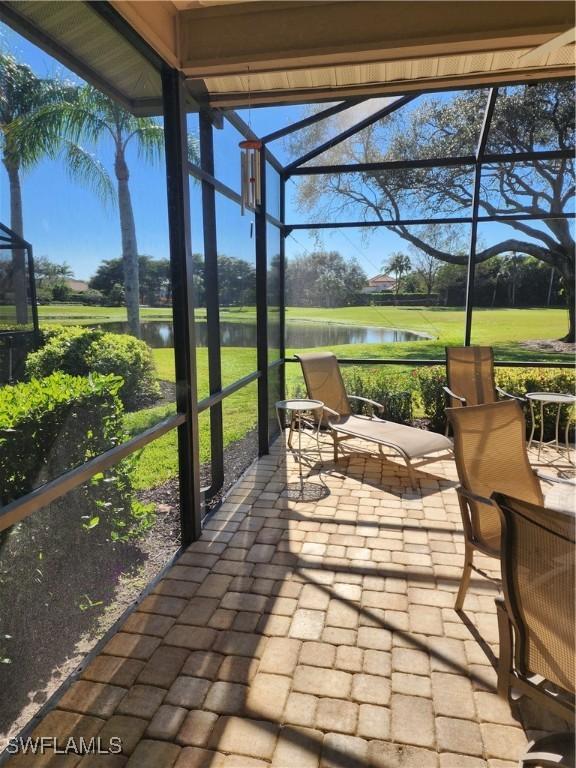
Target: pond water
{"points": [[159, 334]]}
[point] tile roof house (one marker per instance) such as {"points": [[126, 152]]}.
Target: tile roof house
{"points": [[380, 283]]}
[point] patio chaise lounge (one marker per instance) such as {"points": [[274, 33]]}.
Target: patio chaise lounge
{"points": [[324, 382]]}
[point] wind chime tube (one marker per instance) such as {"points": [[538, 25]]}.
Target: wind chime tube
{"points": [[243, 178], [258, 180], [250, 173]]}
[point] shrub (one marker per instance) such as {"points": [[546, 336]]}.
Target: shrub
{"points": [[51, 425], [429, 382], [129, 358], [91, 297], [391, 388], [80, 351]]}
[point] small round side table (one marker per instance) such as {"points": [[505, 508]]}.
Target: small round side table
{"points": [[550, 398], [298, 409]]}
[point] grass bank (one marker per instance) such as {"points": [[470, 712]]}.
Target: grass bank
{"points": [[507, 330]]}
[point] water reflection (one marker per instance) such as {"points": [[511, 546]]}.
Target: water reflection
{"points": [[159, 334]]}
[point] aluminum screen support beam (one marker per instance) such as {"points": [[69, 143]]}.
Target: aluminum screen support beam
{"points": [[212, 301], [282, 288], [312, 119], [262, 311], [177, 185], [381, 113], [475, 208]]}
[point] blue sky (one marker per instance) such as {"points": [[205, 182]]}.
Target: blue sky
{"points": [[67, 222]]}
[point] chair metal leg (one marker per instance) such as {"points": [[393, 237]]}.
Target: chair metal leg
{"points": [[556, 749], [335, 439], [291, 432], [505, 649], [465, 580], [411, 474]]}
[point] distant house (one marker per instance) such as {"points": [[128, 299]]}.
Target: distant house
{"points": [[77, 286], [380, 284]]}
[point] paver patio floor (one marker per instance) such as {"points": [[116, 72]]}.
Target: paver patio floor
{"points": [[305, 633]]}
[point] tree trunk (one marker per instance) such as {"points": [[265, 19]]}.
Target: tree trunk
{"points": [[19, 255], [129, 245], [550, 286], [570, 299], [494, 292]]}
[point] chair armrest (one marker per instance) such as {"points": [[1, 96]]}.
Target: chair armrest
{"points": [[372, 403], [554, 479], [329, 411], [454, 395], [507, 394], [469, 496]]}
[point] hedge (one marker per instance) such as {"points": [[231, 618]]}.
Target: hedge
{"points": [[516, 381], [51, 425], [392, 389], [80, 351]]}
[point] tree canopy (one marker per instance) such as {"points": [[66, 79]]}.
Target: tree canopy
{"points": [[323, 279], [526, 118]]}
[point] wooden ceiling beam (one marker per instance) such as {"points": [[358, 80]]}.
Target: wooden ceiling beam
{"points": [[276, 36]]}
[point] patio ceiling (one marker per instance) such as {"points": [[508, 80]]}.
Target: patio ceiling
{"points": [[238, 53], [233, 53]]}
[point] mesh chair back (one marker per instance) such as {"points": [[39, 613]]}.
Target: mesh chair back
{"points": [[490, 453], [470, 373], [324, 380], [538, 577]]}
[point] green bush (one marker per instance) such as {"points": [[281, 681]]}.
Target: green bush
{"points": [[516, 381], [391, 388], [80, 351], [51, 425], [429, 382]]}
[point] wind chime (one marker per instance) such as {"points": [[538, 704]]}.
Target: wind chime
{"points": [[250, 170]]}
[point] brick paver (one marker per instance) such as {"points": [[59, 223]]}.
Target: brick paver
{"points": [[308, 634]]}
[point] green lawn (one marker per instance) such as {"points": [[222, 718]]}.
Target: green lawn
{"points": [[158, 461], [73, 314], [503, 329]]}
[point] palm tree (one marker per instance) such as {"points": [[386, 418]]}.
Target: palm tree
{"points": [[400, 265], [21, 94], [89, 115]]}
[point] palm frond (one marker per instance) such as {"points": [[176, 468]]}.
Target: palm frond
{"points": [[150, 137], [89, 171], [46, 130], [193, 149]]}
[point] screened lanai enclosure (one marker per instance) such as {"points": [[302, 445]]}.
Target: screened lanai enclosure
{"points": [[145, 345]]}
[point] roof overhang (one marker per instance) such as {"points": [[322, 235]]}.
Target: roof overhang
{"points": [[90, 39], [235, 53], [238, 53]]}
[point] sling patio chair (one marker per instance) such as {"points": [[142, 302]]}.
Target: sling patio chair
{"points": [[536, 618], [470, 375], [324, 382], [491, 456]]}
